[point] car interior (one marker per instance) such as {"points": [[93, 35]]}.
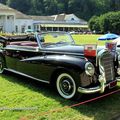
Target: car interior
{"points": [[23, 41]]}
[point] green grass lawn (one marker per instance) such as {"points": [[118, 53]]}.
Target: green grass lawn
{"points": [[85, 39], [20, 92]]}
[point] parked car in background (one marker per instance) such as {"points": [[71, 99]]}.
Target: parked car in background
{"points": [[53, 58], [29, 31], [117, 42]]}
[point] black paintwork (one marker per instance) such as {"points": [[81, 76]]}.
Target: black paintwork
{"points": [[42, 63]]}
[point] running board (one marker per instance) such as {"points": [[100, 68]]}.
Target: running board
{"points": [[11, 70]]}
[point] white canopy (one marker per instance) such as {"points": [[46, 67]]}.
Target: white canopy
{"points": [[117, 41]]}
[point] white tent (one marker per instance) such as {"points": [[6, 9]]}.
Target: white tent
{"points": [[117, 41]]}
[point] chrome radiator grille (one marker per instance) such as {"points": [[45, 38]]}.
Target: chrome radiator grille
{"points": [[108, 66]]}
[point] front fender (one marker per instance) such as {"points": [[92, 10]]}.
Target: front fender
{"points": [[70, 62], [66, 61]]}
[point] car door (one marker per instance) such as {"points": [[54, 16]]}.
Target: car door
{"points": [[23, 64], [11, 56], [31, 62]]}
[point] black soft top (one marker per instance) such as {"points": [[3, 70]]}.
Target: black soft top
{"points": [[4, 39]]}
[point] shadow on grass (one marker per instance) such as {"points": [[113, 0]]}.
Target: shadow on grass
{"points": [[102, 109]]}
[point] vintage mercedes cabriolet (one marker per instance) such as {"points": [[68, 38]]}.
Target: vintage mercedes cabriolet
{"points": [[53, 57]]}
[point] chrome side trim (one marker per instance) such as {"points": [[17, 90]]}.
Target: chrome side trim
{"points": [[11, 70], [22, 48]]}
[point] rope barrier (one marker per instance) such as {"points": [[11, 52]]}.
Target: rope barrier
{"points": [[81, 103], [74, 105]]}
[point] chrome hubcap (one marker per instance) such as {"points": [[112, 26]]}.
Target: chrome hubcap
{"points": [[66, 86]]}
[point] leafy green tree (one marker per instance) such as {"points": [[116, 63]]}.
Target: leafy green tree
{"points": [[37, 7], [64, 5], [50, 6], [82, 8], [21, 5], [109, 22], [3, 1], [94, 24]]}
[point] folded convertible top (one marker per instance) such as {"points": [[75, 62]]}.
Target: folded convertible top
{"points": [[5, 39]]}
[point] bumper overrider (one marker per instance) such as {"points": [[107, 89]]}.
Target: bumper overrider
{"points": [[118, 72], [100, 88]]}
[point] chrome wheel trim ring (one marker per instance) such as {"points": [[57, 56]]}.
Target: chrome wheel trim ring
{"points": [[69, 83]]}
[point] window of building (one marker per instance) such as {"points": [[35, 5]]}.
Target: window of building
{"points": [[8, 17], [37, 27], [55, 29], [72, 19], [16, 29], [1, 28], [29, 27], [61, 29], [23, 29]]}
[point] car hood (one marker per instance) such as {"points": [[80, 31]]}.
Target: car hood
{"points": [[71, 49]]}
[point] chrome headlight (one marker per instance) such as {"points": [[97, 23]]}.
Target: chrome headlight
{"points": [[89, 69]]}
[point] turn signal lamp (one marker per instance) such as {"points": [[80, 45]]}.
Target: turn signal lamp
{"points": [[111, 46], [90, 50]]}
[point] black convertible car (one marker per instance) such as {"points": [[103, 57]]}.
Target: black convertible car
{"points": [[53, 57]]}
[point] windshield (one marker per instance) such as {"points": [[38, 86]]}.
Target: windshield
{"points": [[54, 39]]}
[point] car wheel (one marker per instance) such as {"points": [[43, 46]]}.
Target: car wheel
{"points": [[66, 86], [2, 64]]}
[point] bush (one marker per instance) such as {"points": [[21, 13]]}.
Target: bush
{"points": [[94, 24], [106, 22]]}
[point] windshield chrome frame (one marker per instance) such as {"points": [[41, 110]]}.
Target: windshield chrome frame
{"points": [[38, 38]]}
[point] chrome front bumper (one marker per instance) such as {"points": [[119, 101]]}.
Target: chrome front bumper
{"points": [[118, 79], [97, 89]]}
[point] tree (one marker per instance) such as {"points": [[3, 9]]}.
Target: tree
{"points": [[21, 5], [113, 22], [37, 7], [84, 9], [50, 7], [94, 24], [106, 22], [114, 5], [3, 1]]}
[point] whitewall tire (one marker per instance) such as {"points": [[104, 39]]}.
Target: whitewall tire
{"points": [[66, 86]]}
